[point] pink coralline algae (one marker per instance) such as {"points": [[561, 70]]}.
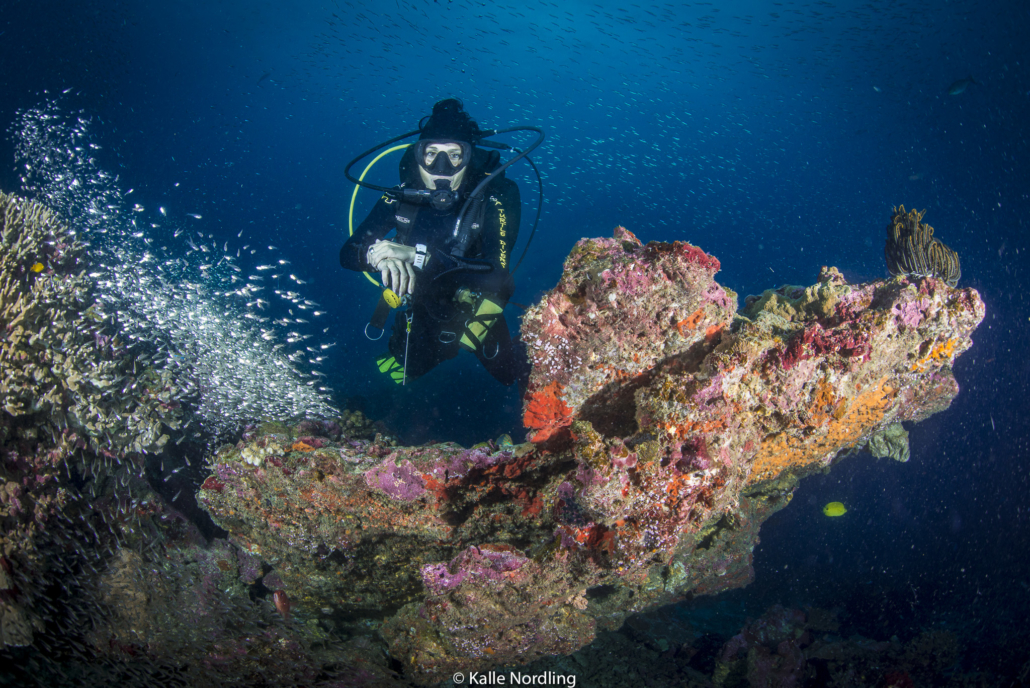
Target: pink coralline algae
{"points": [[816, 340], [475, 564], [910, 313], [717, 295], [633, 281], [619, 308], [665, 427], [622, 457], [401, 482], [713, 390]]}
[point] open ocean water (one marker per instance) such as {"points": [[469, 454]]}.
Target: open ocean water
{"points": [[774, 135]]}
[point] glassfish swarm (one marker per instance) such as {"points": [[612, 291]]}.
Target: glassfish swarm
{"points": [[912, 249]]}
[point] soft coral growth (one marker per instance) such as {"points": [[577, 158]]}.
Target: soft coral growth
{"points": [[546, 412]]}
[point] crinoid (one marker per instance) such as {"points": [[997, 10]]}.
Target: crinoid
{"points": [[912, 249]]}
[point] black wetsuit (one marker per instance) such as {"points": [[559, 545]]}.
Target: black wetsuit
{"points": [[438, 320]]}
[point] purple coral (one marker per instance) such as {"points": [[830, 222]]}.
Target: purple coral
{"points": [[473, 564], [460, 465], [910, 314], [713, 390], [717, 295], [401, 482]]}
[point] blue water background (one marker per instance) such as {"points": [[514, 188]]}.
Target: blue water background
{"points": [[775, 135]]}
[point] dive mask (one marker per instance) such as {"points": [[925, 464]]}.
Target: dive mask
{"points": [[442, 164]]}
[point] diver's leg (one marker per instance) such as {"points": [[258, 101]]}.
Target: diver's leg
{"points": [[425, 350]]}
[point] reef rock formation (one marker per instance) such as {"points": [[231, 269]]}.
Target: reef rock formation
{"points": [[665, 427]]}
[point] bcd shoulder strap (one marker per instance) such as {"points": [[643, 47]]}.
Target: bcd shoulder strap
{"points": [[404, 219], [467, 233]]}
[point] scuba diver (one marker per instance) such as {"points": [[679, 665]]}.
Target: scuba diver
{"points": [[456, 218]]}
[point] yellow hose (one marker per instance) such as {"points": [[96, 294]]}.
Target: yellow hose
{"points": [[354, 197]]}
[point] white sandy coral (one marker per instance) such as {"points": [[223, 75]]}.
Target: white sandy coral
{"points": [[57, 356], [255, 454]]}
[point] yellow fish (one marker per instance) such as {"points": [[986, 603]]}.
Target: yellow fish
{"points": [[37, 267], [834, 509]]}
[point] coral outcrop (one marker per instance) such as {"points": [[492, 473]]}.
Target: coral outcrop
{"points": [[664, 426]]}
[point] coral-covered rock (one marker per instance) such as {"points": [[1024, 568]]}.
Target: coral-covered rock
{"points": [[769, 651], [665, 429], [620, 308]]}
